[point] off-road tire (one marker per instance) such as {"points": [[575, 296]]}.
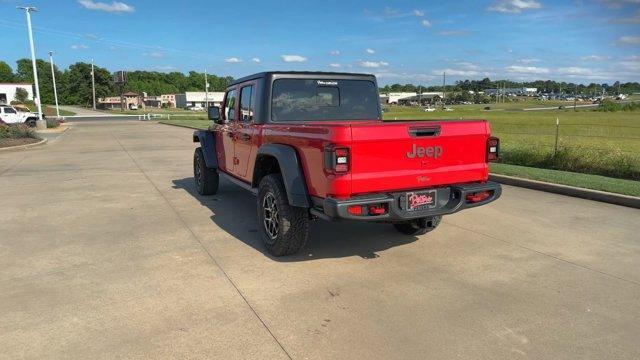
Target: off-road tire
{"points": [[418, 226], [206, 179], [292, 222], [31, 122]]}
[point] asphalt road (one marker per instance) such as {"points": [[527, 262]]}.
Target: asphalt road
{"points": [[107, 252]]}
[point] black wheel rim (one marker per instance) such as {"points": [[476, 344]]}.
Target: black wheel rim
{"points": [[197, 172], [270, 215]]}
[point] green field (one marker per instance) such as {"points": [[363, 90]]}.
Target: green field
{"points": [[589, 141]]}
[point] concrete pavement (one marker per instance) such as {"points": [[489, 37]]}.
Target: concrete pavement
{"points": [[106, 251]]}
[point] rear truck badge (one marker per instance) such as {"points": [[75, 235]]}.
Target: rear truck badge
{"points": [[428, 151]]}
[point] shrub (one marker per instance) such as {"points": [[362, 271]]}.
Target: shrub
{"points": [[613, 163], [16, 132], [52, 123]]}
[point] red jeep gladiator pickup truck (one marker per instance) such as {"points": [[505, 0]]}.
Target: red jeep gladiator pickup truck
{"points": [[313, 145]]}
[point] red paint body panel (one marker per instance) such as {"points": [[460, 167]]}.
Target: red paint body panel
{"points": [[378, 161]]}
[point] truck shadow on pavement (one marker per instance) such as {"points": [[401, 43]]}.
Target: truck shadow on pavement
{"points": [[234, 211]]}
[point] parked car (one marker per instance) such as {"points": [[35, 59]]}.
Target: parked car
{"points": [[10, 115], [429, 109], [133, 107], [196, 108], [313, 145], [448, 109]]}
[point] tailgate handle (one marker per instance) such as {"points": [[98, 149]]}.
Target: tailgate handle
{"points": [[424, 131]]}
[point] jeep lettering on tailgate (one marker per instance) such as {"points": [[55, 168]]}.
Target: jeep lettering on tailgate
{"points": [[428, 151]]}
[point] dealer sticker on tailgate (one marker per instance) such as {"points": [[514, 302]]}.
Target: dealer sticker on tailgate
{"points": [[422, 200]]}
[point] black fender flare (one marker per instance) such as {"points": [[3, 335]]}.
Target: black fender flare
{"points": [[208, 143], [291, 171]]}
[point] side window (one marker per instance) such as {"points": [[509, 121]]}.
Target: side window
{"points": [[9, 110], [230, 106], [246, 103]]}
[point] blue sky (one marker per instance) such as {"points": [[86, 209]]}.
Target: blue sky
{"points": [[408, 41]]}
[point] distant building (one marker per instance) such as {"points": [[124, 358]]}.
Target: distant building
{"points": [[393, 97], [169, 99], [8, 91], [524, 91], [421, 99], [110, 103], [191, 99], [131, 100]]}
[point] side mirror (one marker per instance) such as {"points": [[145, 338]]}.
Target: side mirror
{"points": [[214, 113]]}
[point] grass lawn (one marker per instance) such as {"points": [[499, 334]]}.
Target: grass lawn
{"points": [[588, 181], [610, 141]]}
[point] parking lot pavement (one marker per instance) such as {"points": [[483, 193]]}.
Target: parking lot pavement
{"points": [[106, 251]]}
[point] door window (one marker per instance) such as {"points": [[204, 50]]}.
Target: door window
{"points": [[230, 106], [9, 110], [246, 103]]}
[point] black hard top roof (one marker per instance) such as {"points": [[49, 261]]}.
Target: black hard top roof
{"points": [[268, 74]]}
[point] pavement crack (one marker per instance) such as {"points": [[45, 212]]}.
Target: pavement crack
{"points": [[204, 248], [548, 255]]}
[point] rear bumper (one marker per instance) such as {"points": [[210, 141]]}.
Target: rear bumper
{"points": [[449, 200]]}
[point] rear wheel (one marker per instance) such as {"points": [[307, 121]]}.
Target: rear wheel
{"points": [[284, 228], [206, 179], [418, 226]]}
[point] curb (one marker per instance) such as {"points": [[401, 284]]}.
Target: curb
{"points": [[65, 128], [22, 147], [589, 194], [182, 126]]}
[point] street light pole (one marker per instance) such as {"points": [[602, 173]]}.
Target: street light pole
{"points": [[206, 90], [53, 76], [40, 123], [93, 86]]}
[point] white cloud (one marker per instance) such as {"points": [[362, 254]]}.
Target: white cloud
{"points": [[426, 23], [91, 36], [115, 6], [419, 13], [157, 55], [514, 6], [574, 70], [370, 51], [516, 69], [293, 58], [456, 72], [232, 60], [454, 32], [629, 40], [595, 58], [373, 64], [79, 47], [256, 60], [527, 61], [334, 65], [335, 52]]}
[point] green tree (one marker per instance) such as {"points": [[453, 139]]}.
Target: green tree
{"points": [[76, 84], [6, 73], [21, 95], [24, 73]]}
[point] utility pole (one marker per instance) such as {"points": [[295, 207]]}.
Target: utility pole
{"points": [[444, 88], [206, 90], [40, 123], [93, 85], [419, 96], [575, 96], [53, 76]]}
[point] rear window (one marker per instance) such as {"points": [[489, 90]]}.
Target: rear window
{"points": [[303, 100]]}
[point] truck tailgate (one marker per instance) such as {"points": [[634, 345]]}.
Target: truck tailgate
{"points": [[395, 156]]}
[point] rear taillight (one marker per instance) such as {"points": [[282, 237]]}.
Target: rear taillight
{"points": [[493, 149], [336, 159], [478, 196], [368, 210]]}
